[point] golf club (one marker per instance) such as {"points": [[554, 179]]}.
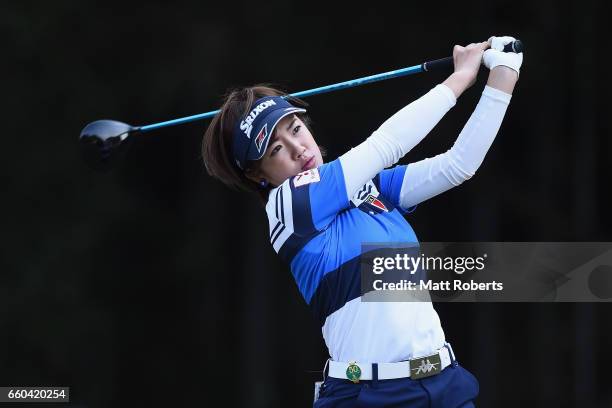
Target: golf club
{"points": [[101, 139]]}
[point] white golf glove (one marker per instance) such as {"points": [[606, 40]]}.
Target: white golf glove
{"points": [[495, 55]]}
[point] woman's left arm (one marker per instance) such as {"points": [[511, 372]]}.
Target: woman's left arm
{"points": [[430, 177]]}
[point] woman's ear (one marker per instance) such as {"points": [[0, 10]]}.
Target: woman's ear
{"points": [[257, 177]]}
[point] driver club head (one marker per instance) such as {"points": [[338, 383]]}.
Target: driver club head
{"points": [[103, 140]]}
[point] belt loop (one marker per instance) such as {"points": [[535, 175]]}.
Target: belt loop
{"points": [[326, 369], [451, 354], [374, 375]]}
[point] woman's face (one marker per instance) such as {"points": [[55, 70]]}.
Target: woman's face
{"points": [[291, 150]]}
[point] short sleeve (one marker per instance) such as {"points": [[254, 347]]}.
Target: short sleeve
{"points": [[306, 203], [390, 182]]}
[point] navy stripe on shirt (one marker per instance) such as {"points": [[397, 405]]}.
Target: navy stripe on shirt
{"points": [[336, 289], [302, 211], [278, 224], [280, 231], [293, 245], [282, 205]]}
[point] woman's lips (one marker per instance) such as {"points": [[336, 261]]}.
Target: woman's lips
{"points": [[309, 164]]}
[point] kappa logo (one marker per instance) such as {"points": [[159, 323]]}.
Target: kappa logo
{"points": [[247, 124], [261, 136], [425, 367], [307, 177]]}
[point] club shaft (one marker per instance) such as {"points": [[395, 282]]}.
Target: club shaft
{"points": [[435, 65], [315, 91]]}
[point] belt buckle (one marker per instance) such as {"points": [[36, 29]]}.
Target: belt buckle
{"points": [[427, 366], [353, 372]]}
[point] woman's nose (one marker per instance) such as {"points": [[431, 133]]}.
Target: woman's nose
{"points": [[297, 149], [299, 152]]}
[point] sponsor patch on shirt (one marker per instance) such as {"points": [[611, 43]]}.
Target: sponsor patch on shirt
{"points": [[369, 196], [376, 203], [307, 177]]}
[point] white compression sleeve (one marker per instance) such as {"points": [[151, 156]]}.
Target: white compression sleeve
{"points": [[395, 137], [430, 177]]}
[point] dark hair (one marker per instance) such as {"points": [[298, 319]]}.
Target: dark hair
{"points": [[218, 138]]}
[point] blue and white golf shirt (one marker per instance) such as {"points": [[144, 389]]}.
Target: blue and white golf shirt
{"points": [[319, 232]]}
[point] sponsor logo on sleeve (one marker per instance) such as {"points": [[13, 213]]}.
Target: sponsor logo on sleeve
{"points": [[375, 202], [368, 194], [307, 177]]}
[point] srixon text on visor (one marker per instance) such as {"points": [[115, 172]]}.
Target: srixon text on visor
{"points": [[247, 124]]}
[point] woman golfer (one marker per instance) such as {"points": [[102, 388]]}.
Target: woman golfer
{"points": [[383, 354]]}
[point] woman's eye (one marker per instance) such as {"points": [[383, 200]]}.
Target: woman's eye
{"points": [[296, 129], [275, 149]]}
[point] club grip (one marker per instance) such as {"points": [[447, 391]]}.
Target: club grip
{"points": [[515, 46], [443, 64]]}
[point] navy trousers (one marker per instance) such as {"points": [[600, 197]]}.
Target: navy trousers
{"points": [[454, 387]]}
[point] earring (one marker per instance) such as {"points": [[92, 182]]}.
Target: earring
{"points": [[263, 183]]}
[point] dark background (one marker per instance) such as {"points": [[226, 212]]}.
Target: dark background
{"points": [[153, 284]]}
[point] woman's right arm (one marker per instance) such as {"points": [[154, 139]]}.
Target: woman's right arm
{"points": [[404, 130]]}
